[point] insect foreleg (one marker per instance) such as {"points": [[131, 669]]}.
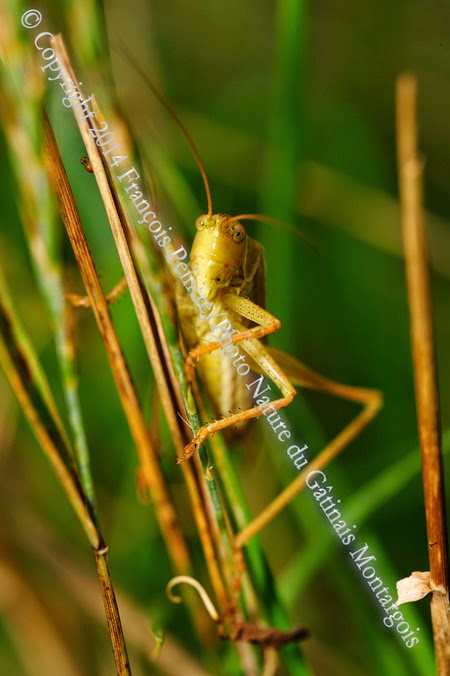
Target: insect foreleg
{"points": [[267, 365], [266, 324]]}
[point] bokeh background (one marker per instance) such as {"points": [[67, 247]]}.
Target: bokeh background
{"points": [[292, 108]]}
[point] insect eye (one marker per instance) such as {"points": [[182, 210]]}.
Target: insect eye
{"points": [[87, 164], [239, 233], [200, 222]]}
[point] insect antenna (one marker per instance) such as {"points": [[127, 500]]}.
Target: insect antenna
{"points": [[271, 220], [171, 110]]}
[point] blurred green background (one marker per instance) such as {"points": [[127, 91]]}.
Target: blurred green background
{"points": [[291, 106]]}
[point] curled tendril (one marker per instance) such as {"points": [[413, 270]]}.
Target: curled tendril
{"points": [[212, 612]]}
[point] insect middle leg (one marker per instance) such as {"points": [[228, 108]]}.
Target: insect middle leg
{"points": [[248, 339]]}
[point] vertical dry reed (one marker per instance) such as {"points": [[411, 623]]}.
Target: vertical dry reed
{"points": [[410, 169]]}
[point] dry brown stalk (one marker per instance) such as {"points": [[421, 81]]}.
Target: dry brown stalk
{"points": [[410, 169], [112, 613], [153, 335], [20, 375], [80, 584], [148, 458]]}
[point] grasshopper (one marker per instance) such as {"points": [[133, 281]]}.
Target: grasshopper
{"points": [[227, 267]]}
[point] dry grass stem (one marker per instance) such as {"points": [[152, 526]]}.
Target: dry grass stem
{"points": [[410, 168], [81, 585], [148, 458], [153, 335]]}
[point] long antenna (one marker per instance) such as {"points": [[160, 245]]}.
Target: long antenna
{"points": [[168, 106], [271, 220]]}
